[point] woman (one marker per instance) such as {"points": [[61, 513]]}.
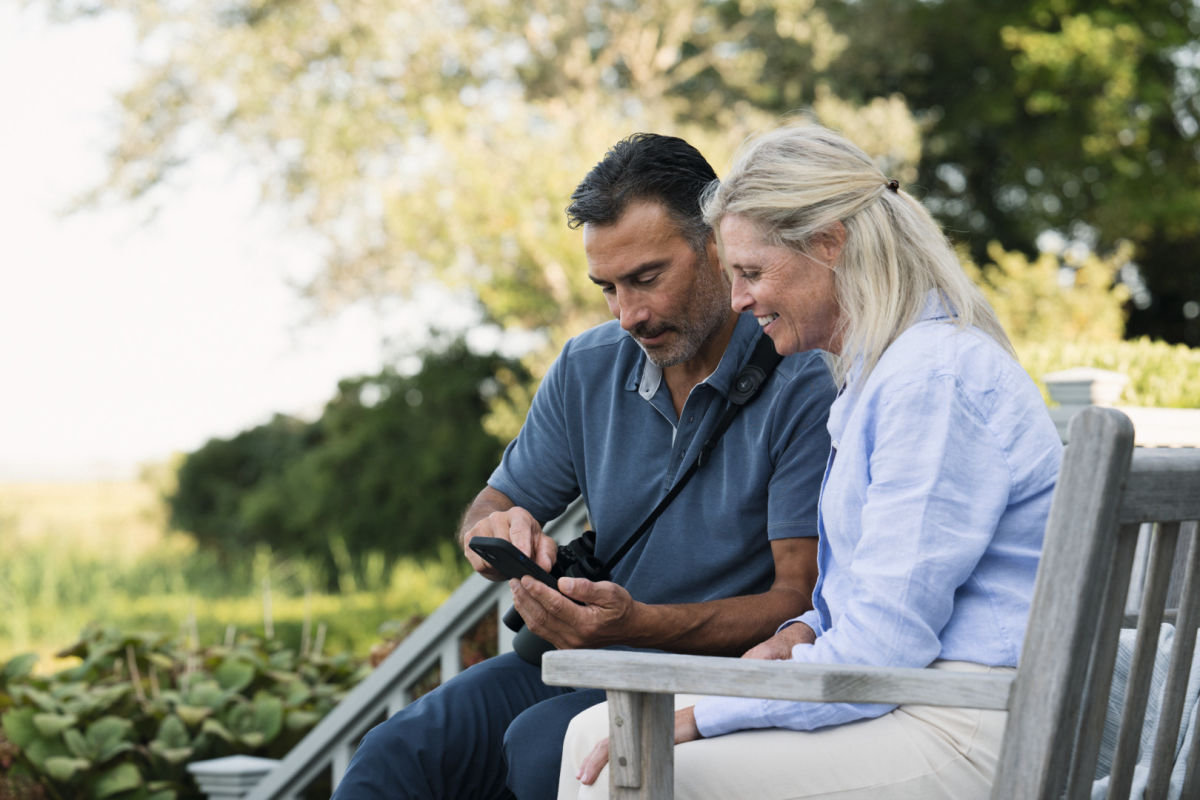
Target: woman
{"points": [[934, 500]]}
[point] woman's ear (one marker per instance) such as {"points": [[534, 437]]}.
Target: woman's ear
{"points": [[827, 244]]}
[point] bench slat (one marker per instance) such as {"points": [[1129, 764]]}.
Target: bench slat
{"points": [[1162, 556]]}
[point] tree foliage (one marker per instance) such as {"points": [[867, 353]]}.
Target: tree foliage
{"points": [[1074, 115], [1070, 296], [387, 469], [438, 142]]}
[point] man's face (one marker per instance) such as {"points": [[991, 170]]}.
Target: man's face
{"points": [[669, 298]]}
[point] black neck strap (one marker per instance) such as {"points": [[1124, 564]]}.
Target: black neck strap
{"points": [[745, 388]]}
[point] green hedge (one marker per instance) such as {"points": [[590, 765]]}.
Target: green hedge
{"points": [[1161, 375]]}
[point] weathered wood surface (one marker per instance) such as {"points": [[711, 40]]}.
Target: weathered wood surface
{"points": [[642, 745], [1164, 486], [781, 680]]}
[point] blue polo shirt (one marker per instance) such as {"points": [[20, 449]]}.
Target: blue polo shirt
{"points": [[602, 424]]}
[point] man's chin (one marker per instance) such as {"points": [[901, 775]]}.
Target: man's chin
{"points": [[663, 357]]}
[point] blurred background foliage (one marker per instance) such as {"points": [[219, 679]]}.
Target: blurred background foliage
{"points": [[439, 142], [436, 144], [384, 472]]}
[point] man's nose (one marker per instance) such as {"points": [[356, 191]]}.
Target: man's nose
{"points": [[630, 312]]}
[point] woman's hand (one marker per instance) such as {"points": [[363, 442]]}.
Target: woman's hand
{"points": [[779, 647], [685, 731]]}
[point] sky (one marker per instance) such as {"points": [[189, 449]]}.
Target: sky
{"points": [[123, 341]]}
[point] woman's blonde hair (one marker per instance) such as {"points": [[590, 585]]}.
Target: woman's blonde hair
{"points": [[796, 182]]}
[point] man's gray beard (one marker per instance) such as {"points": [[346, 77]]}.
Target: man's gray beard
{"points": [[692, 338]]}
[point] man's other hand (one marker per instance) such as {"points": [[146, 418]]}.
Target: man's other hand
{"points": [[606, 616]]}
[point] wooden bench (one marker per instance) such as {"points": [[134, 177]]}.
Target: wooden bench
{"points": [[1058, 698]]}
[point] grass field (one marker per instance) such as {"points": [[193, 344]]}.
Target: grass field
{"points": [[74, 553]]}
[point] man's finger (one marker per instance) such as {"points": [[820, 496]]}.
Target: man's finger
{"points": [[546, 551], [520, 533]]}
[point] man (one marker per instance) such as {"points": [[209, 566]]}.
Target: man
{"points": [[620, 415]]}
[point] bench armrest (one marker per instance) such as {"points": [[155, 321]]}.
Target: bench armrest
{"points": [[669, 673]]}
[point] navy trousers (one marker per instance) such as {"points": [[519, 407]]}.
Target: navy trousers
{"points": [[493, 731]]}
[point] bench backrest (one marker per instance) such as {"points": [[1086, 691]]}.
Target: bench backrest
{"points": [[1107, 492]]}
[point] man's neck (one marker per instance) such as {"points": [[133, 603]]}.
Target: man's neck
{"points": [[682, 378]]}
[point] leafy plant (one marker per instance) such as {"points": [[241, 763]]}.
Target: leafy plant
{"points": [[124, 722]]}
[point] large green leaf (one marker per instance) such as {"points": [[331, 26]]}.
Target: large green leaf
{"points": [[121, 778], [234, 674], [298, 720], [215, 728], [18, 667], [193, 715], [63, 768], [50, 725], [172, 755], [110, 736], [206, 693], [18, 726], [172, 732], [78, 744], [39, 750], [42, 700]]}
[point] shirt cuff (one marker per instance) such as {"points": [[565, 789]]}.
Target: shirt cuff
{"points": [[810, 618], [717, 716]]}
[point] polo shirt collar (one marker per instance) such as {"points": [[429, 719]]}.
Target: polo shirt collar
{"points": [[645, 377]]}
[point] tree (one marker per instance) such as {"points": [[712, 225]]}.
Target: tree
{"points": [[387, 469], [1073, 115], [213, 481], [439, 142]]}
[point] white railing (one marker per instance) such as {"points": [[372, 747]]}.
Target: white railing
{"points": [[327, 748]]}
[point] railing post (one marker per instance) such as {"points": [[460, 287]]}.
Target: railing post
{"points": [[339, 762], [230, 777], [1079, 387], [503, 634]]}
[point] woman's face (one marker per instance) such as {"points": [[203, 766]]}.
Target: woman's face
{"points": [[791, 295]]}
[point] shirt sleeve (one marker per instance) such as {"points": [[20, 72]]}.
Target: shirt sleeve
{"points": [[537, 472], [800, 450], [938, 484]]}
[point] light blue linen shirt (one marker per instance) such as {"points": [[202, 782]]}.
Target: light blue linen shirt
{"points": [[931, 517]]}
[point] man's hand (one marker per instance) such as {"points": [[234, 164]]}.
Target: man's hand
{"points": [[605, 618], [493, 514], [685, 731], [779, 647]]}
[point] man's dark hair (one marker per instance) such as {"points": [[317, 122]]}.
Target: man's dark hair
{"points": [[646, 166]]}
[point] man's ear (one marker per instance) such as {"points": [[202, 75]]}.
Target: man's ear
{"points": [[827, 244]]}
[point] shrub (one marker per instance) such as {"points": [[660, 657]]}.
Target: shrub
{"points": [[1161, 375], [127, 719]]}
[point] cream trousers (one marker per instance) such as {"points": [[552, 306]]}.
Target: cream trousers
{"points": [[917, 752]]}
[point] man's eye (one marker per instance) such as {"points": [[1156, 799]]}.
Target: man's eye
{"points": [[645, 280], [608, 289]]}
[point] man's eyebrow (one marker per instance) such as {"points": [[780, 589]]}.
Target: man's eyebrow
{"points": [[639, 270]]}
